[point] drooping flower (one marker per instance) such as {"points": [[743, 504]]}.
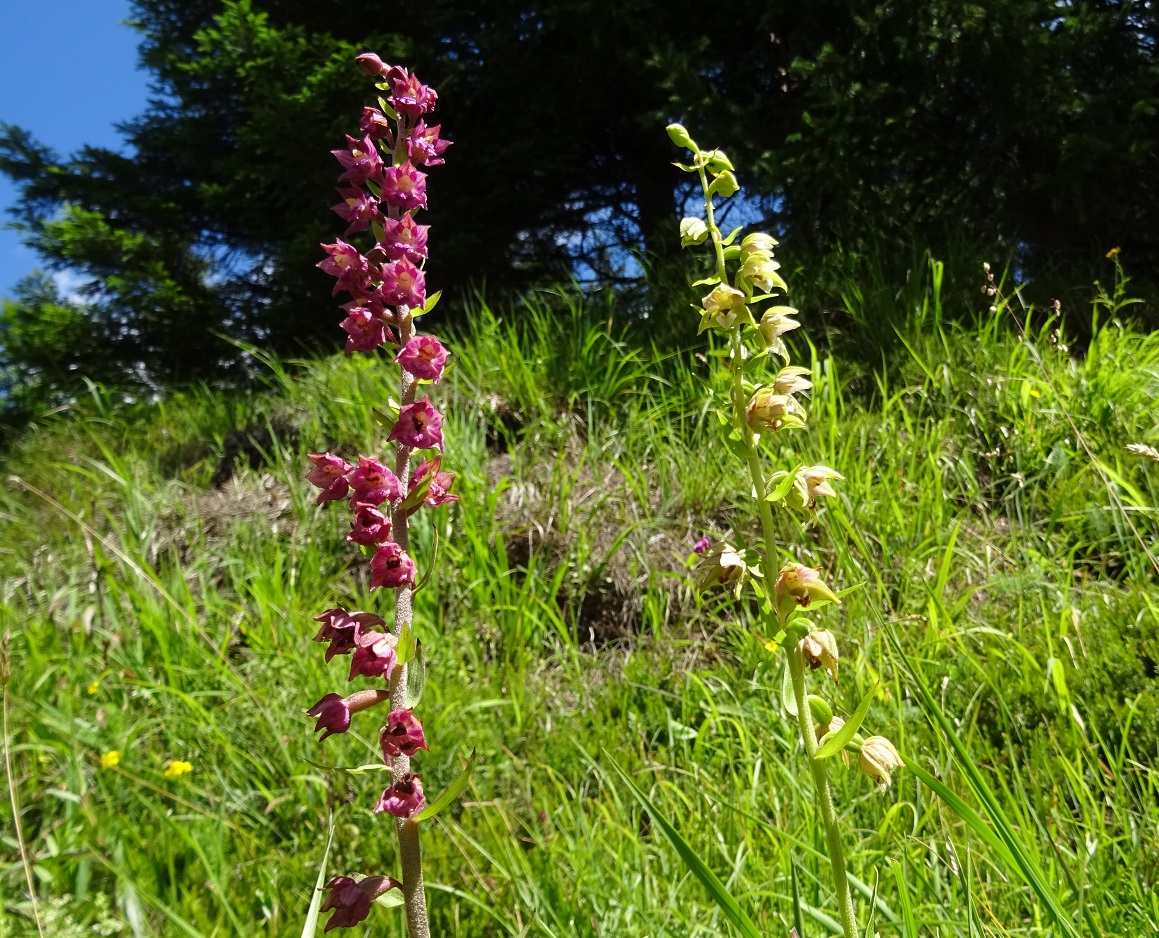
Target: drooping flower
{"points": [[404, 187], [374, 655], [408, 284], [373, 483], [334, 711], [359, 208], [723, 567], [375, 125], [798, 585], [819, 650], [365, 331], [769, 410], [404, 798], [791, 380], [775, 322], [419, 425], [345, 263], [723, 307], [760, 270], [403, 238], [360, 160], [879, 758], [424, 357], [342, 629], [438, 492], [410, 96], [402, 735], [329, 474], [816, 481], [821, 730], [371, 526], [424, 147], [391, 567], [350, 900]]}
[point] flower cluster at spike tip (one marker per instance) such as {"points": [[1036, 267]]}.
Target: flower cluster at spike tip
{"points": [[382, 184]]}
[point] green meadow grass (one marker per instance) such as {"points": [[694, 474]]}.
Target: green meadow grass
{"points": [[992, 518]]}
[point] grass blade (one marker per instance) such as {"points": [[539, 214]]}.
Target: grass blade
{"points": [[716, 889], [1023, 862], [451, 793], [316, 901]]}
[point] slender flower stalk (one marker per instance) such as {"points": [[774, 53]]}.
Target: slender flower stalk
{"points": [[382, 187], [763, 402]]}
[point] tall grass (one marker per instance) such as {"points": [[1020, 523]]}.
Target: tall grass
{"points": [[155, 616]]}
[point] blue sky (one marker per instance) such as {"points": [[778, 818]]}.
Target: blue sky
{"points": [[68, 73]]}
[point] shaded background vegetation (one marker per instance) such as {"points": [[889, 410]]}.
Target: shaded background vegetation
{"points": [[1023, 131]]}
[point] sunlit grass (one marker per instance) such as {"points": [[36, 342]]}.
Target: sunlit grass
{"points": [[168, 621]]}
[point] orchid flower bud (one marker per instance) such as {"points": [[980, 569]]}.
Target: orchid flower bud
{"points": [[404, 799], [820, 651], [878, 760], [679, 136], [692, 231], [758, 243]]}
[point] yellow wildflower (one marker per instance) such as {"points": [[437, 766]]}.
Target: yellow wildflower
{"points": [[177, 769], [94, 687], [1113, 251], [109, 759]]}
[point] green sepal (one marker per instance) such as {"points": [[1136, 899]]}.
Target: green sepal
{"points": [[732, 252], [784, 484], [416, 495], [391, 899], [450, 794]]}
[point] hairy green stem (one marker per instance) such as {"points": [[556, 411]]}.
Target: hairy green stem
{"points": [[409, 849]]}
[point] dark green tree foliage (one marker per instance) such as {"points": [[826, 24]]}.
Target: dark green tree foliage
{"points": [[1029, 124]]}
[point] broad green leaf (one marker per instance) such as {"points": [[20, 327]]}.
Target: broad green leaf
{"points": [[839, 740], [450, 794], [716, 889], [316, 900]]}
